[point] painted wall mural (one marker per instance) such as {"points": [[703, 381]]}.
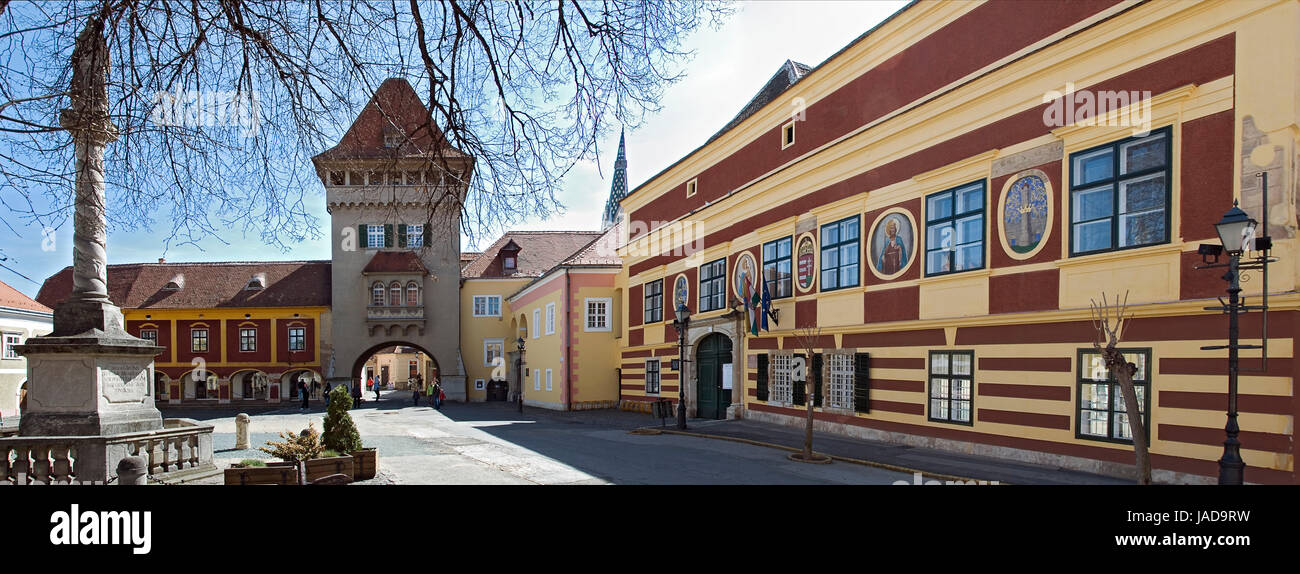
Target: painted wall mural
{"points": [[893, 244], [1026, 213]]}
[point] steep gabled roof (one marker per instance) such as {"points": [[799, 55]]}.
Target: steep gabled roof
{"points": [[539, 251], [205, 285], [14, 299], [787, 75], [394, 108], [395, 262], [602, 251]]}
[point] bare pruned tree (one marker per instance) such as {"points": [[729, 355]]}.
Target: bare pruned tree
{"points": [[219, 106], [808, 338], [1110, 321]]}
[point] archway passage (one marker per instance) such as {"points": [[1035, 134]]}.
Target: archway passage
{"points": [[713, 357], [395, 365]]}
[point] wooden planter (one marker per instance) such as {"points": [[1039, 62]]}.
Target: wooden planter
{"points": [[279, 474], [367, 463], [322, 467]]}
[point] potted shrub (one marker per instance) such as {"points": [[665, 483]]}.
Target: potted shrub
{"points": [[341, 435]]}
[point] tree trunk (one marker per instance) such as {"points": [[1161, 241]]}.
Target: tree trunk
{"points": [[1124, 375], [808, 428]]}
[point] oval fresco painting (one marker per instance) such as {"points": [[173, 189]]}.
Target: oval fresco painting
{"points": [[746, 272], [1024, 217], [893, 241], [806, 259], [680, 289]]}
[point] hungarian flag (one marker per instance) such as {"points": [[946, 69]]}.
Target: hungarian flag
{"points": [[755, 305]]}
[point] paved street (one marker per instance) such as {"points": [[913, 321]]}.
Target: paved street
{"points": [[490, 443]]}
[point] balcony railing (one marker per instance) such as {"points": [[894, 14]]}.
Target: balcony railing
{"points": [[182, 445], [395, 313]]}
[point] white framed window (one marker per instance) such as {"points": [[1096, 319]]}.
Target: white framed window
{"points": [[691, 187], [487, 305], [198, 340], [839, 391], [652, 376], [415, 235], [247, 340], [782, 387], [395, 294], [598, 314], [412, 294], [550, 318], [787, 135], [150, 335], [537, 319], [375, 236], [493, 349], [377, 294], [12, 339], [548, 379], [297, 339], [537, 380]]}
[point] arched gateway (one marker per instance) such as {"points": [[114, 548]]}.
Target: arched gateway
{"points": [[393, 190]]}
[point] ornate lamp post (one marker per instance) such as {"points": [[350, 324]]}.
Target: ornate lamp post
{"points": [[682, 322], [1237, 234], [519, 368]]}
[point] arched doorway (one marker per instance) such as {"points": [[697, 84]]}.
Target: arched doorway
{"points": [[289, 384], [713, 359], [396, 365]]}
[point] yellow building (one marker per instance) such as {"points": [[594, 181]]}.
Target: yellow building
{"points": [[233, 333], [491, 324], [940, 201]]}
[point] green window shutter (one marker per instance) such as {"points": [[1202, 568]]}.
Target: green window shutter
{"points": [[362, 231], [762, 377], [388, 235], [798, 388], [401, 235], [817, 379], [861, 376]]}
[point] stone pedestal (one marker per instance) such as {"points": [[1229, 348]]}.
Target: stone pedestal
{"points": [[96, 381]]}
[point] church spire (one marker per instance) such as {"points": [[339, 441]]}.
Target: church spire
{"points": [[618, 190]]}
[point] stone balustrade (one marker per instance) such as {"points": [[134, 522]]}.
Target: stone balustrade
{"points": [[181, 446], [395, 313]]}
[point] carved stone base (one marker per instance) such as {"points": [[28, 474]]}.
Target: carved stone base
{"points": [[89, 384], [77, 316]]}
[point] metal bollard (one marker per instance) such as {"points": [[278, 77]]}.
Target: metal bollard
{"points": [[133, 470], [241, 431]]}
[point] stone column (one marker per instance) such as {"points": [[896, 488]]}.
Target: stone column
{"points": [[89, 377]]}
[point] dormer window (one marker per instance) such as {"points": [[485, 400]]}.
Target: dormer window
{"points": [[176, 284], [509, 263], [256, 283], [392, 139]]}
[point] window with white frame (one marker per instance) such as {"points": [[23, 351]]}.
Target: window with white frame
{"points": [[839, 390], [395, 294], [415, 235], [12, 339], [247, 340], [652, 376], [781, 389], [150, 335], [537, 380], [537, 320], [548, 379], [198, 340], [412, 294], [598, 314], [297, 339], [375, 236], [550, 318], [377, 294], [487, 305], [493, 349]]}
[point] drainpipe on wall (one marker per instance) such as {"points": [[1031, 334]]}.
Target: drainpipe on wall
{"points": [[568, 345]]}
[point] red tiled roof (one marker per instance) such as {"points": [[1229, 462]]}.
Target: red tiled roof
{"points": [[14, 299], [600, 252], [395, 262], [395, 106], [539, 251], [205, 285], [469, 255]]}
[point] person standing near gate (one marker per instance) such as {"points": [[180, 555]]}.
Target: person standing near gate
{"points": [[302, 392], [414, 383], [432, 394]]}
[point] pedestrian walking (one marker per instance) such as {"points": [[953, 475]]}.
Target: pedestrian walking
{"points": [[302, 392], [432, 392], [356, 395], [327, 395], [415, 390], [439, 395], [377, 386]]}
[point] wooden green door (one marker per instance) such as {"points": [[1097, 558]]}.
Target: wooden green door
{"points": [[712, 400]]}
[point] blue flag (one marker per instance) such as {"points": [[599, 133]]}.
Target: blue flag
{"points": [[767, 306]]}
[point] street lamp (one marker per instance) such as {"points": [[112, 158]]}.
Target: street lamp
{"points": [[519, 368], [681, 323], [1237, 235]]}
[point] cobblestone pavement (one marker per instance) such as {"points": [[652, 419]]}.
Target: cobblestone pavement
{"points": [[491, 443]]}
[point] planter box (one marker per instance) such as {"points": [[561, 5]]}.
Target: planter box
{"points": [[366, 463], [283, 475], [322, 467]]}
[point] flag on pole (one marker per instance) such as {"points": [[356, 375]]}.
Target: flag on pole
{"points": [[744, 299], [766, 305], [754, 306]]}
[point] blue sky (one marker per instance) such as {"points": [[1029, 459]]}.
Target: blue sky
{"points": [[729, 66]]}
